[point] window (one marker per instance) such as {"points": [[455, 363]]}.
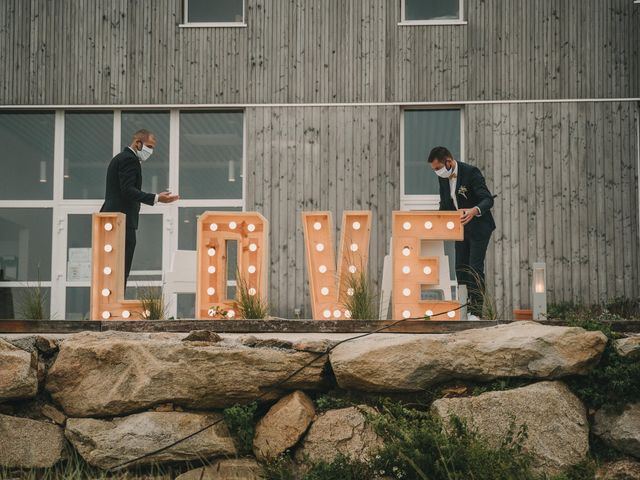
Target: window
{"points": [[424, 12], [88, 149], [214, 12], [27, 141], [424, 130], [211, 155], [155, 176]]}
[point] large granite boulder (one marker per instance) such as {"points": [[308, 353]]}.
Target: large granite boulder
{"points": [[619, 470], [113, 373], [621, 430], [388, 363], [226, 469], [283, 425], [628, 347], [18, 372], [26, 443], [109, 443], [556, 421], [344, 431]]}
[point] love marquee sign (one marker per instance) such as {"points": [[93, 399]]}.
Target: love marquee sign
{"points": [[415, 269]]}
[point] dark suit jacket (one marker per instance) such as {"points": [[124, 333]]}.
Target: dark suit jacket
{"points": [[123, 194], [477, 195]]}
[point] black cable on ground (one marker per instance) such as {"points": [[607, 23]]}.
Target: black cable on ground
{"points": [[278, 384]]}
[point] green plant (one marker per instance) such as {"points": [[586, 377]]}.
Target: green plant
{"points": [[74, 467], [250, 303], [419, 446], [153, 304], [32, 303], [340, 468], [280, 468], [241, 422], [489, 303], [614, 382], [500, 384], [359, 296]]}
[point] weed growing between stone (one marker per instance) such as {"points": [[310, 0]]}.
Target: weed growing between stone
{"points": [[240, 420]]}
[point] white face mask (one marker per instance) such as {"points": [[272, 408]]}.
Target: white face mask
{"points": [[443, 172], [145, 153]]}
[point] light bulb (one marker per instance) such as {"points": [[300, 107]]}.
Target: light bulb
{"points": [[406, 225], [356, 225], [327, 314], [336, 313], [106, 314], [232, 225], [322, 269], [108, 226], [450, 225], [429, 313], [354, 247], [406, 292], [108, 248], [253, 247], [106, 292], [451, 314], [107, 270], [406, 314], [252, 291], [211, 252], [211, 291], [317, 226], [427, 270], [251, 227], [324, 291], [406, 251], [347, 314], [428, 225], [126, 314], [211, 269], [320, 247], [406, 269], [350, 292], [213, 227], [352, 269], [251, 269], [231, 314]]}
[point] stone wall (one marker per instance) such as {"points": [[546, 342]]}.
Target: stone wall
{"points": [[115, 396]]}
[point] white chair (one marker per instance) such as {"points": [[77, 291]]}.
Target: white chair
{"points": [[181, 278]]}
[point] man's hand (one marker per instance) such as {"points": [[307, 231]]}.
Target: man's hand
{"points": [[468, 214], [166, 197]]}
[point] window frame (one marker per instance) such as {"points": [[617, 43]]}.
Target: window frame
{"points": [[454, 21], [62, 208], [187, 24], [425, 201]]}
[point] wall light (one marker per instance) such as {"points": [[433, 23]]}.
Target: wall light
{"points": [[539, 293], [43, 171], [232, 171]]}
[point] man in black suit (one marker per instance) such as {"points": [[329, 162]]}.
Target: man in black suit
{"points": [[462, 187], [123, 194]]}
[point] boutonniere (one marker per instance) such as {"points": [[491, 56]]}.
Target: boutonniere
{"points": [[463, 191]]}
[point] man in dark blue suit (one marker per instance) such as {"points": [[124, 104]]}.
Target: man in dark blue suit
{"points": [[462, 187], [123, 194]]}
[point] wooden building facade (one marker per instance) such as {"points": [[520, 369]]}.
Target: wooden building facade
{"points": [[547, 92]]}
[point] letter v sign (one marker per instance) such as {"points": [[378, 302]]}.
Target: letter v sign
{"points": [[329, 289]]}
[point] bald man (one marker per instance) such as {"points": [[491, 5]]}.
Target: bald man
{"points": [[123, 194]]}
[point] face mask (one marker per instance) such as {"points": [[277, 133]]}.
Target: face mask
{"points": [[145, 153], [443, 172]]}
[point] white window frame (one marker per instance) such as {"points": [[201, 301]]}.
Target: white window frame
{"points": [[454, 21], [188, 24], [426, 202], [61, 207]]}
